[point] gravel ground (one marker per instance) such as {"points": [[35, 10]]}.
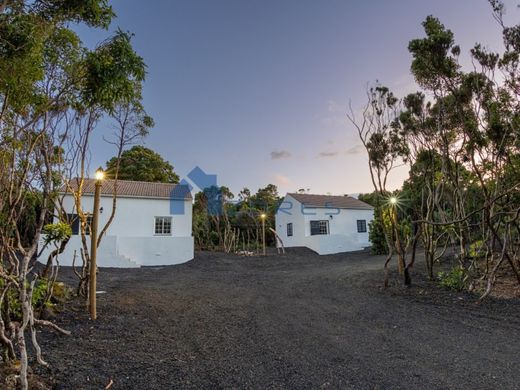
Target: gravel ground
{"points": [[292, 321]]}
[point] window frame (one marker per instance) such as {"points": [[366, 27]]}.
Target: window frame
{"points": [[162, 231], [290, 229], [363, 225], [75, 224], [321, 222]]}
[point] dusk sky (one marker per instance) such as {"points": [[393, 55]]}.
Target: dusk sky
{"points": [[256, 91]]}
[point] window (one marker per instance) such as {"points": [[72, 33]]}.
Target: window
{"points": [[319, 227], [163, 226], [361, 226], [74, 222], [289, 229]]}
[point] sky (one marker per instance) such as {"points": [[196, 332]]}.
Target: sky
{"points": [[255, 91]]}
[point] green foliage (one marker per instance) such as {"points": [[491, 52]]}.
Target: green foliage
{"points": [[39, 297], [453, 279], [376, 235], [227, 216], [476, 249], [142, 164], [112, 71], [434, 57], [56, 232], [30, 213], [94, 13]]}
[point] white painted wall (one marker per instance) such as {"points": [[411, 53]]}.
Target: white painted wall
{"points": [[130, 240], [343, 235], [290, 211]]}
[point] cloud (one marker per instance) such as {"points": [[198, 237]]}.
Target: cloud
{"points": [[328, 154], [280, 154], [358, 149], [281, 180]]}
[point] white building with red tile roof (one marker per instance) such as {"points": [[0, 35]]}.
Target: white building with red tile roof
{"points": [[152, 224], [326, 224]]}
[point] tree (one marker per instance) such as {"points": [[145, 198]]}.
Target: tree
{"points": [[378, 130], [376, 232], [53, 93], [142, 164], [462, 144], [42, 74], [477, 118], [221, 223]]}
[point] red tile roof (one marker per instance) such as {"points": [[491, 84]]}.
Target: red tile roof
{"points": [[340, 202], [135, 189]]}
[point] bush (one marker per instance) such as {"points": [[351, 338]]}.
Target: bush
{"points": [[56, 232], [477, 249], [453, 279], [39, 297], [376, 236]]}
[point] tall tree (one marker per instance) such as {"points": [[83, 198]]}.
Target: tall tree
{"points": [[142, 164], [53, 92]]}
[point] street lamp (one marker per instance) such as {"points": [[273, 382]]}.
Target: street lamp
{"points": [[262, 217], [100, 175], [393, 200]]}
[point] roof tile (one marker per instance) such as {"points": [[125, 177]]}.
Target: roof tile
{"points": [[332, 201], [137, 189]]}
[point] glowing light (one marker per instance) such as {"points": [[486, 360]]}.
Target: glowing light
{"points": [[393, 200], [100, 175], [262, 216]]}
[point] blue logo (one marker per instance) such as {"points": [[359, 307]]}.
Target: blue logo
{"points": [[206, 183]]}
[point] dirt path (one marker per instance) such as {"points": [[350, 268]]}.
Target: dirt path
{"points": [[299, 321]]}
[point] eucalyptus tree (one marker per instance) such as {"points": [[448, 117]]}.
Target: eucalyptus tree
{"points": [[53, 91], [111, 86], [379, 132], [476, 115]]}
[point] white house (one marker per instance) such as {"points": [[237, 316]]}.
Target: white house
{"points": [[152, 224], [326, 224]]}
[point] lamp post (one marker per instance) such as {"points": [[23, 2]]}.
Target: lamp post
{"points": [[100, 175], [400, 259], [262, 217]]}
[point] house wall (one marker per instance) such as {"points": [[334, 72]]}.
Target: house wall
{"points": [[289, 212], [343, 235], [130, 240], [135, 216]]}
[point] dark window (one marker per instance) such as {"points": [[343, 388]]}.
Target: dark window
{"points": [[319, 227], [74, 222], [361, 226], [289, 229], [163, 226]]}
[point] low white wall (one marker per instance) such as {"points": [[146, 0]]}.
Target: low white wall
{"points": [[333, 243], [129, 252], [156, 250]]}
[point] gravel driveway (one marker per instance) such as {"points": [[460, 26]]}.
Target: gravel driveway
{"points": [[293, 321]]}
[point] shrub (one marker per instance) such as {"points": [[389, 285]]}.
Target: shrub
{"points": [[477, 249], [453, 279], [56, 232], [39, 297], [376, 236]]}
